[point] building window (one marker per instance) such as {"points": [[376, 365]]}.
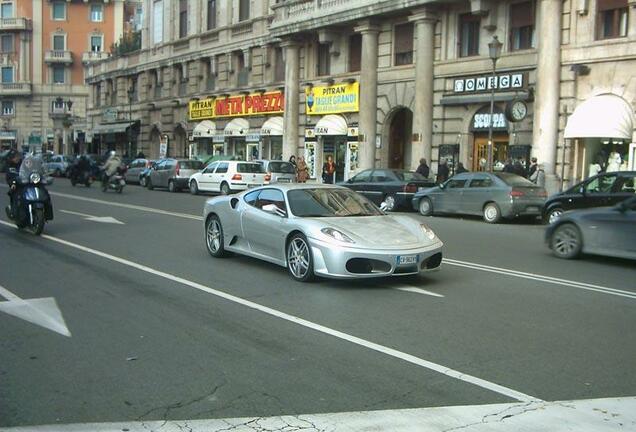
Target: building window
{"points": [[58, 74], [97, 12], [7, 43], [403, 44], [8, 108], [6, 10], [612, 19], [279, 65], [59, 11], [522, 26], [7, 74], [98, 94], [133, 94], [183, 18], [355, 52], [324, 60], [157, 21], [97, 43], [211, 14], [244, 10], [58, 105], [243, 72], [469, 35], [59, 42]]}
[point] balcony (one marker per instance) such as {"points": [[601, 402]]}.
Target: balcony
{"points": [[58, 56], [93, 56], [15, 24], [15, 89]]}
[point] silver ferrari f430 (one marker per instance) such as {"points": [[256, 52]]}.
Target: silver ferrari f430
{"points": [[319, 230]]}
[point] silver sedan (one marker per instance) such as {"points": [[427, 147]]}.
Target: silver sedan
{"points": [[322, 230]]}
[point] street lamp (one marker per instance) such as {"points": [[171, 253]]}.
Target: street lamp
{"points": [[494, 51], [131, 93]]}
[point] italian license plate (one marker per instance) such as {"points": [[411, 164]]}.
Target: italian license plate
{"points": [[532, 208], [406, 259], [283, 180]]}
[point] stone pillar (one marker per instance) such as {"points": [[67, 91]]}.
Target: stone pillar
{"points": [[292, 98], [422, 144], [368, 94], [631, 19], [546, 107], [24, 58]]}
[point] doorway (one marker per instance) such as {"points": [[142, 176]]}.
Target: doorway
{"points": [[400, 138], [499, 152], [336, 147]]}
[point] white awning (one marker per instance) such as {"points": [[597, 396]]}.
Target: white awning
{"points": [[109, 128], [273, 126], [331, 124], [205, 129], [602, 116], [237, 127]]}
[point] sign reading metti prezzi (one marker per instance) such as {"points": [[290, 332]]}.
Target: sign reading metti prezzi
{"points": [[237, 106], [333, 99]]}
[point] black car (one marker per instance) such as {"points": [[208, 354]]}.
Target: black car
{"points": [[605, 189], [609, 231], [393, 187]]}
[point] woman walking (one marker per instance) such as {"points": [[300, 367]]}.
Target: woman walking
{"points": [[302, 171]]}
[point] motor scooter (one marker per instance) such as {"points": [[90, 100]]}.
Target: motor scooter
{"points": [[115, 182], [31, 207]]}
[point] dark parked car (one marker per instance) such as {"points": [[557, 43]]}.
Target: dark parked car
{"points": [[393, 187], [605, 189], [173, 173], [491, 195], [609, 231]]}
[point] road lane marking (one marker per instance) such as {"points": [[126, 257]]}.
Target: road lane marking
{"points": [[418, 291], [540, 278], [102, 219], [496, 388]]}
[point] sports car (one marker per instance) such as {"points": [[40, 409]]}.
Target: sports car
{"points": [[319, 230]]}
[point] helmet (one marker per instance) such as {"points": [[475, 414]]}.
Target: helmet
{"points": [[112, 153]]}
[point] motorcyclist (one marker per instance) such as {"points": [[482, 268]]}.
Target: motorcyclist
{"points": [[82, 167], [110, 166], [14, 160]]}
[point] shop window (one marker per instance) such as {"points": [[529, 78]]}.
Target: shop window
{"points": [[6, 10], [211, 14], [403, 44], [59, 42], [522, 26], [355, 52], [244, 10], [279, 65], [324, 60], [611, 19], [183, 18], [7, 74], [7, 43], [58, 74], [59, 11], [469, 35], [8, 108], [97, 43], [97, 12]]}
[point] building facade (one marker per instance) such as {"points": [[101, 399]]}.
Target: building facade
{"points": [[381, 83], [44, 47]]}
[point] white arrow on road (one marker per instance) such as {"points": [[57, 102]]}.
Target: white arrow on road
{"points": [[41, 311], [102, 219]]}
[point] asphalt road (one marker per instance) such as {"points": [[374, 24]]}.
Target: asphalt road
{"points": [[162, 331]]}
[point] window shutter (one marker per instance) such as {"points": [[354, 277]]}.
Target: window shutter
{"points": [[522, 14], [604, 5], [355, 52], [404, 38]]}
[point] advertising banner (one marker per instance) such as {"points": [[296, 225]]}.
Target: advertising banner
{"points": [[333, 99], [237, 106]]}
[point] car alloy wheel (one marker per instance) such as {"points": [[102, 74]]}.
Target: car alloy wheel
{"points": [[492, 214], [554, 215], [299, 260], [426, 207], [225, 189], [214, 237], [566, 241], [389, 202]]}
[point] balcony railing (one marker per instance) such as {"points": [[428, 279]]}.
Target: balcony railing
{"points": [[58, 56], [15, 24], [15, 89], [92, 56]]}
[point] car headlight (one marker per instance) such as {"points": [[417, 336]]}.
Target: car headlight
{"points": [[429, 232], [337, 235], [35, 178]]}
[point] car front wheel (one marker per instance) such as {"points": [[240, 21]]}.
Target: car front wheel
{"points": [[426, 207], [566, 241], [299, 259], [214, 237], [194, 188]]}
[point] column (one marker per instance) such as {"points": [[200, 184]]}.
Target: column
{"points": [[368, 94], [422, 144], [292, 98], [546, 107]]}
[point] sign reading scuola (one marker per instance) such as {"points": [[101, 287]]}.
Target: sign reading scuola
{"points": [[237, 105], [334, 99]]}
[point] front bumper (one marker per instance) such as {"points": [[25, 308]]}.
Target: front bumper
{"points": [[344, 262]]}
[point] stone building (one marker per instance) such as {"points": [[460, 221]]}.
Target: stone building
{"points": [[382, 83]]}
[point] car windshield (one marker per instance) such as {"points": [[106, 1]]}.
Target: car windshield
{"points": [[191, 164], [514, 180], [249, 168], [408, 176], [281, 167], [330, 202]]}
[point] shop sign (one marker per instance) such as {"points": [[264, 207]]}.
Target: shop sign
{"points": [[481, 120], [109, 115], [333, 99], [252, 137], [7, 135], [163, 146], [237, 105], [310, 133], [218, 138], [488, 82], [352, 132]]}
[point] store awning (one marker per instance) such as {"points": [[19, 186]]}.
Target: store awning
{"points": [[205, 129], [331, 124], [109, 128], [273, 126], [603, 116], [237, 127]]}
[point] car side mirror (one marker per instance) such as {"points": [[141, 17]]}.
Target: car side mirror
{"points": [[350, 181], [442, 186], [274, 209]]}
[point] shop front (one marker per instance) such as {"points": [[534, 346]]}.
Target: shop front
{"points": [[8, 140], [600, 133], [118, 136], [235, 137], [202, 139], [479, 127], [272, 139]]}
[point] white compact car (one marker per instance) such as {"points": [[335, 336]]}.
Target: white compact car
{"points": [[228, 176]]}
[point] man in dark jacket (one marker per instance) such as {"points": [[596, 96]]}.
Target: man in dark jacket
{"points": [[423, 168], [14, 160], [442, 171], [533, 166]]}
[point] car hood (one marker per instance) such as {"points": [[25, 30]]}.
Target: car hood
{"points": [[381, 232]]}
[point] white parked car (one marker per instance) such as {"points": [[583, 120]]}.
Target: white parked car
{"points": [[228, 176]]}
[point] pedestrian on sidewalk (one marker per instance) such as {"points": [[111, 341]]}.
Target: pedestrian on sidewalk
{"points": [[302, 171], [423, 168]]}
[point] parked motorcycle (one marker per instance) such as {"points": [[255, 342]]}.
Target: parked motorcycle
{"points": [[115, 182]]}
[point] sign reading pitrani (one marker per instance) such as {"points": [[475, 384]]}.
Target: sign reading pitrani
{"points": [[237, 106], [333, 99]]}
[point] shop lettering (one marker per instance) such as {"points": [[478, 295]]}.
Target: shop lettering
{"points": [[240, 105], [500, 82], [482, 121], [334, 90]]}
